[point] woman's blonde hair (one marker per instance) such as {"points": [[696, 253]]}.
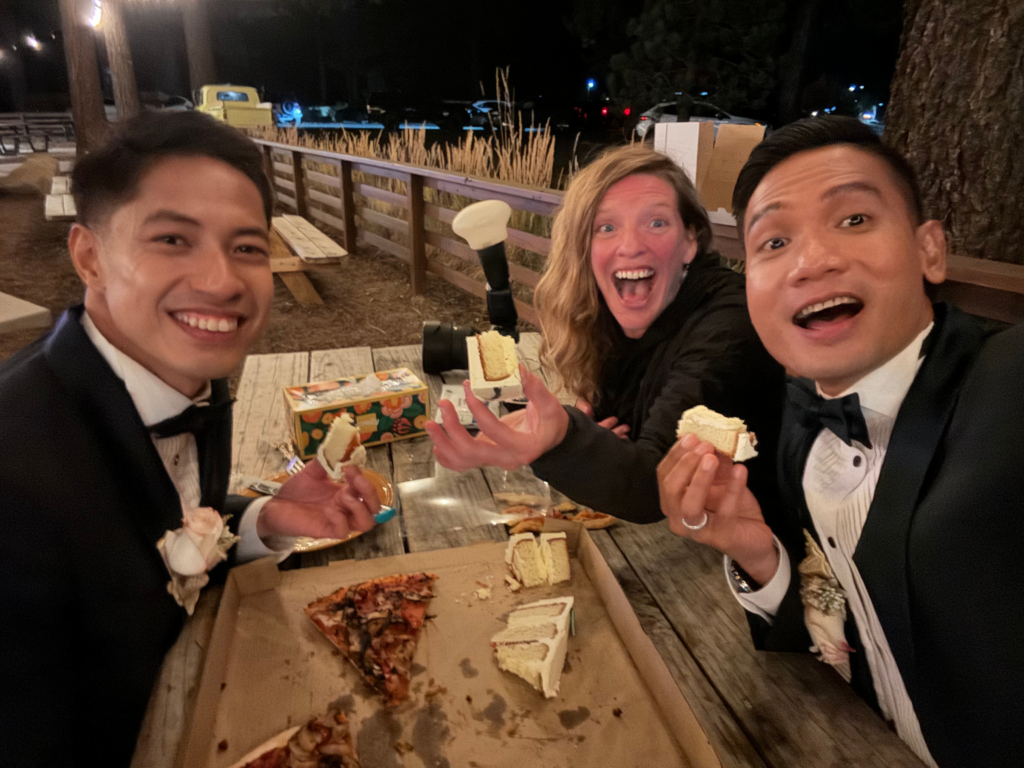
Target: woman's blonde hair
{"points": [[574, 319]]}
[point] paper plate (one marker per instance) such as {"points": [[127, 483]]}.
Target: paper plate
{"points": [[385, 492]]}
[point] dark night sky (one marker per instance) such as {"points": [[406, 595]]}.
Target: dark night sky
{"points": [[439, 49]]}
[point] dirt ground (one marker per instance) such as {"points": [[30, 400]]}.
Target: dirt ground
{"points": [[367, 297]]}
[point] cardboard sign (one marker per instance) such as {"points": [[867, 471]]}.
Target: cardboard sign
{"points": [[733, 146], [711, 158]]}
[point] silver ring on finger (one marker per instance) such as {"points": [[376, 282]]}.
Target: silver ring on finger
{"points": [[698, 526]]}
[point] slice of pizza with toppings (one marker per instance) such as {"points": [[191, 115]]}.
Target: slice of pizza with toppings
{"points": [[376, 625], [322, 741]]}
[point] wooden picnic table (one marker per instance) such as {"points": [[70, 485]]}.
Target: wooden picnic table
{"points": [[757, 709]]}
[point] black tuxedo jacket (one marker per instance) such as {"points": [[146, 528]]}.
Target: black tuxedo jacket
{"points": [[940, 552], [84, 498]]}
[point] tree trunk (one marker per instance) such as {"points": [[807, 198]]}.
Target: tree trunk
{"points": [[321, 65], [957, 113], [126, 93], [201, 68], [11, 66], [791, 69], [91, 124]]}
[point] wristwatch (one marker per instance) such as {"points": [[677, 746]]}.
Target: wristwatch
{"points": [[742, 579]]}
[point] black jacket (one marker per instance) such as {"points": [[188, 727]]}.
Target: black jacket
{"points": [[702, 350], [84, 498], [941, 548]]}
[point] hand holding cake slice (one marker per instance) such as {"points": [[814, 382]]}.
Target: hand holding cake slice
{"points": [[493, 366], [341, 447], [729, 436]]}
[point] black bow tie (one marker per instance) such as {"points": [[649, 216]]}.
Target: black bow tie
{"points": [[842, 415], [195, 419]]}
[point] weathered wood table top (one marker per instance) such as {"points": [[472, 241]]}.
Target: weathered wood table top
{"points": [[757, 709]]}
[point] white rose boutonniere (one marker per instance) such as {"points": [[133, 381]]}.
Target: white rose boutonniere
{"points": [[824, 609], [189, 552]]}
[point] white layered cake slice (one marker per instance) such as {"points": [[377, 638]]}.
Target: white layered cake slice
{"points": [[522, 555], [534, 644], [554, 551], [534, 562], [341, 447], [728, 435], [493, 366]]}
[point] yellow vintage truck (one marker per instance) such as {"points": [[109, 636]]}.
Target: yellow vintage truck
{"points": [[234, 104]]}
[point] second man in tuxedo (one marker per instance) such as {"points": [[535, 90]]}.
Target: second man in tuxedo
{"points": [[901, 455]]}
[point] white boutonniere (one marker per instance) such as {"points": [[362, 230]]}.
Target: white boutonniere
{"points": [[191, 551], [824, 609]]}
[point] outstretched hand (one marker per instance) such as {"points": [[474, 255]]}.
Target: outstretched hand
{"points": [[510, 442], [311, 504], [693, 482]]}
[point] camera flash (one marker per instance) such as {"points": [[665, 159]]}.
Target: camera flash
{"points": [[482, 224]]}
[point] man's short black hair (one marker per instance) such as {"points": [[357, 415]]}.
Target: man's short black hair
{"points": [[815, 133], [109, 176]]}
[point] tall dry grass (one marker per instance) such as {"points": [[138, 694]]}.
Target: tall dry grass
{"points": [[509, 152]]}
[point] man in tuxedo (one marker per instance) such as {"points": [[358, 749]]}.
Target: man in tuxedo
{"points": [[901, 452], [118, 419]]}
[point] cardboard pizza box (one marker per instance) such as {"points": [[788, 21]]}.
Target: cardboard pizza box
{"points": [[269, 669]]}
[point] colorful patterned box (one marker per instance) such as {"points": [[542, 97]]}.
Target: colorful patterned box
{"points": [[396, 410]]}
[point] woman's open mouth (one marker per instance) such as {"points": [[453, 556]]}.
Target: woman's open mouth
{"points": [[634, 285], [823, 314]]}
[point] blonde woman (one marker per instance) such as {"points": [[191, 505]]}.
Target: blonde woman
{"points": [[641, 321]]}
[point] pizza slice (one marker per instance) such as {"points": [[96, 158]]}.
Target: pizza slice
{"points": [[588, 518], [376, 626], [322, 741]]}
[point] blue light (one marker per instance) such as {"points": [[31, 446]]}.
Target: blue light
{"points": [[591, 85], [703, 93], [853, 88]]}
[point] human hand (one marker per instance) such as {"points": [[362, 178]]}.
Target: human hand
{"points": [[509, 442], [311, 504], [612, 423], [694, 481]]}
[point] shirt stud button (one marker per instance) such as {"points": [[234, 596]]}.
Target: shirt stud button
{"points": [[831, 542], [857, 460]]}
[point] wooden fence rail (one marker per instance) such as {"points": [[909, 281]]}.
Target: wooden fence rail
{"points": [[986, 288]]}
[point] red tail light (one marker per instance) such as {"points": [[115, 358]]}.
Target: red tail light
{"points": [[626, 111], [604, 110], [644, 117]]}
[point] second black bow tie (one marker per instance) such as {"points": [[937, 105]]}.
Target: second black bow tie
{"points": [[194, 419], [841, 415]]}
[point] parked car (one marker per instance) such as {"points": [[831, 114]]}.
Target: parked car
{"points": [[234, 104], [399, 111], [667, 112]]}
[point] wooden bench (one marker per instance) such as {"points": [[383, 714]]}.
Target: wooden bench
{"points": [[30, 126], [60, 207], [308, 242], [17, 314], [314, 250]]}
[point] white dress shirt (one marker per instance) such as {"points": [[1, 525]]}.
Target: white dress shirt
{"points": [[156, 401], [839, 483]]}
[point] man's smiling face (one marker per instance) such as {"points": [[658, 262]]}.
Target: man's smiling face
{"points": [[179, 278], [836, 265]]}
